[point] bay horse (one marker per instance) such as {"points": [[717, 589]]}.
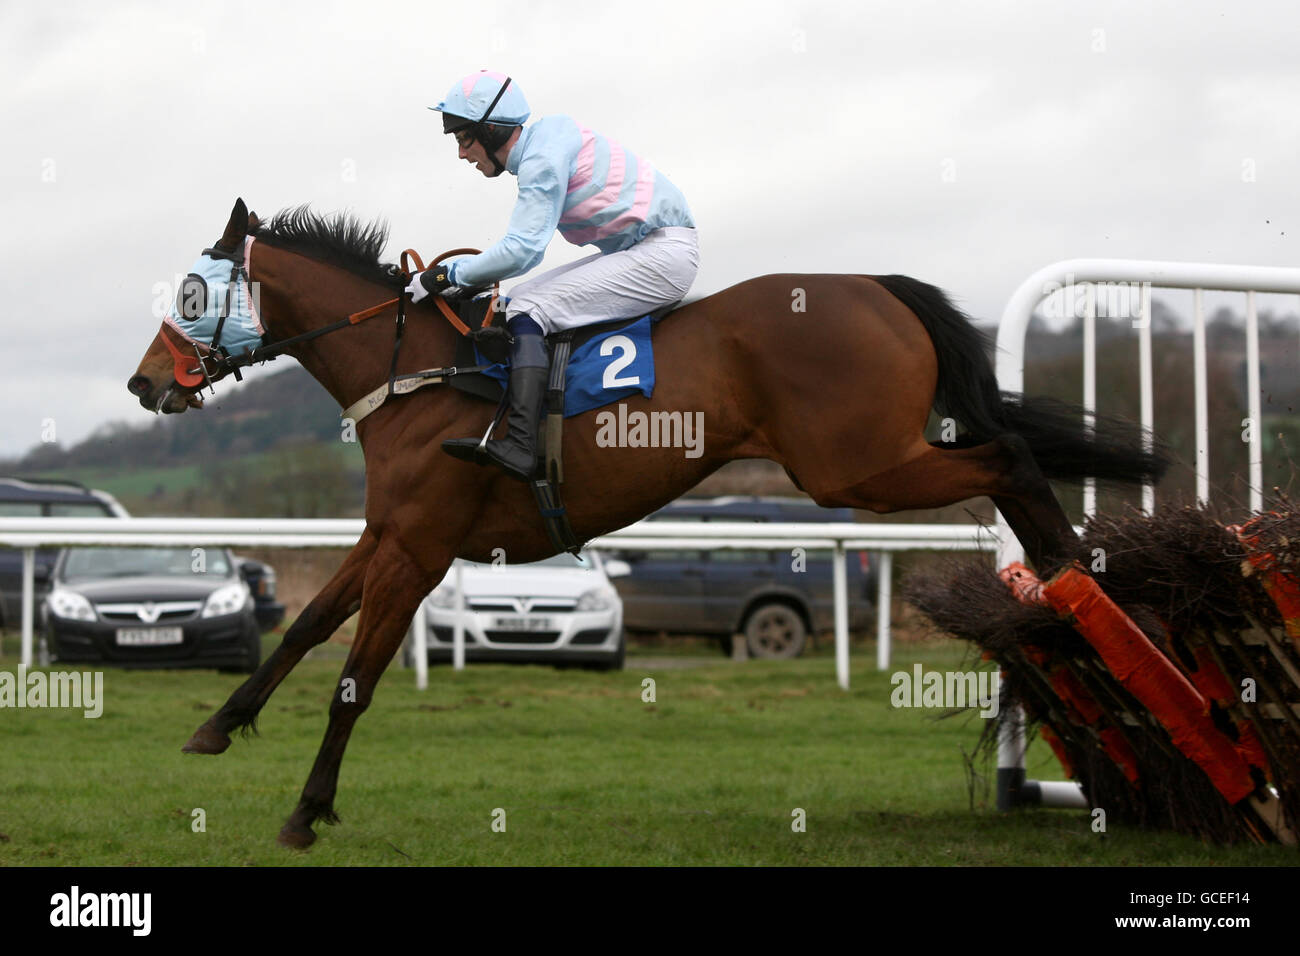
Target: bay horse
{"points": [[838, 392]]}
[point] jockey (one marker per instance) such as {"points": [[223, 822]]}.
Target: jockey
{"points": [[595, 192]]}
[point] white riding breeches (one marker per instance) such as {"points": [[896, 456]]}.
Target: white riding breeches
{"points": [[655, 272]]}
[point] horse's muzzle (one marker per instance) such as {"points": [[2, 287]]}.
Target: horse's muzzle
{"points": [[168, 400]]}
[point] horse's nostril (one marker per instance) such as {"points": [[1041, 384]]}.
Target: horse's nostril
{"points": [[138, 385]]}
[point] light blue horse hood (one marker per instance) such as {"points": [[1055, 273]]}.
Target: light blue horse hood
{"points": [[195, 316]]}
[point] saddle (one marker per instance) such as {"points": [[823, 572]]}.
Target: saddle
{"points": [[489, 343]]}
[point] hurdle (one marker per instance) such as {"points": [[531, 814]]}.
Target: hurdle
{"points": [[1013, 789]]}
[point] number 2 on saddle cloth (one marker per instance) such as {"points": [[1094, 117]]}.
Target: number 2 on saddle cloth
{"points": [[608, 361]]}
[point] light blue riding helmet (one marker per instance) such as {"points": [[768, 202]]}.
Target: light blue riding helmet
{"points": [[470, 98]]}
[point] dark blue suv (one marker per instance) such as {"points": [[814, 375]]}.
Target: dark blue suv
{"points": [[771, 597]]}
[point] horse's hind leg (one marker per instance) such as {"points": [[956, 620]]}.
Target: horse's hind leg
{"points": [[1003, 469], [335, 603], [395, 584]]}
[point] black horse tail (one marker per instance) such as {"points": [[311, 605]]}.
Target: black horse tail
{"points": [[1112, 450]]}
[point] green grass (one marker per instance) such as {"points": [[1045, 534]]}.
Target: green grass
{"points": [[586, 772]]}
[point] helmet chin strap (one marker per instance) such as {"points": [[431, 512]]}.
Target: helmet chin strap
{"points": [[480, 129]]}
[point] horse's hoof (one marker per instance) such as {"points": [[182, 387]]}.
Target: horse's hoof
{"points": [[295, 837], [207, 741]]}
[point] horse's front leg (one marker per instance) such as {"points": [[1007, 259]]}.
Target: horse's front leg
{"points": [[335, 603], [395, 584]]}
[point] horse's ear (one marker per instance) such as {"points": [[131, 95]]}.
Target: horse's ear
{"points": [[236, 229], [254, 223]]}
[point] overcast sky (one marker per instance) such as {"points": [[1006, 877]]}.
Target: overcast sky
{"points": [[966, 144]]}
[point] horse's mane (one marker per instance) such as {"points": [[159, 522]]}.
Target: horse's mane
{"points": [[340, 239]]}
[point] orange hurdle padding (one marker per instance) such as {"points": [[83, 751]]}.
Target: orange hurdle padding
{"points": [[1250, 748], [1024, 584], [1058, 748], [1150, 677], [1282, 588], [1028, 589], [1076, 697], [1209, 680]]}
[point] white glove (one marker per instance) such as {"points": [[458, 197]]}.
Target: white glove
{"points": [[416, 289]]}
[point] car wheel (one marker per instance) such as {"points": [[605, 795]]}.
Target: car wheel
{"points": [[775, 631]]}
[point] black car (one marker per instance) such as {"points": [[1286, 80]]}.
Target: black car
{"points": [[771, 596], [151, 607]]}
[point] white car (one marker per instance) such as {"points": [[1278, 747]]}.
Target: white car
{"points": [[558, 611]]}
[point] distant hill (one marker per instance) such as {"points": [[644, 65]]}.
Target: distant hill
{"points": [[289, 405], [266, 447]]}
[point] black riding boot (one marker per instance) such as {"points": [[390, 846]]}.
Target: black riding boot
{"points": [[516, 454]]}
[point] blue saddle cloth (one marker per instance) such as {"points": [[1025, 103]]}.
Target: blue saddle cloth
{"points": [[613, 364]]}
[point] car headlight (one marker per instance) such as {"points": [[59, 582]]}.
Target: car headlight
{"points": [[597, 599], [70, 605], [226, 600], [443, 596]]}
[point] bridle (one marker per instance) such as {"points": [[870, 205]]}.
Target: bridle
{"points": [[215, 361]]}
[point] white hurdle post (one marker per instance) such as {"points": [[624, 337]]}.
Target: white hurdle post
{"points": [[1013, 788]]}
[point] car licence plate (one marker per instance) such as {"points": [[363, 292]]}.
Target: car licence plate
{"points": [[149, 636], [522, 623]]}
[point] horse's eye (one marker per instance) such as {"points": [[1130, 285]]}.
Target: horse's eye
{"points": [[192, 297]]}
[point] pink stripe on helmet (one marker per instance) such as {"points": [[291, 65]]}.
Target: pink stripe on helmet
{"points": [[468, 83]]}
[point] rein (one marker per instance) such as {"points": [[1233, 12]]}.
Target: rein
{"points": [[214, 361], [443, 307]]}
